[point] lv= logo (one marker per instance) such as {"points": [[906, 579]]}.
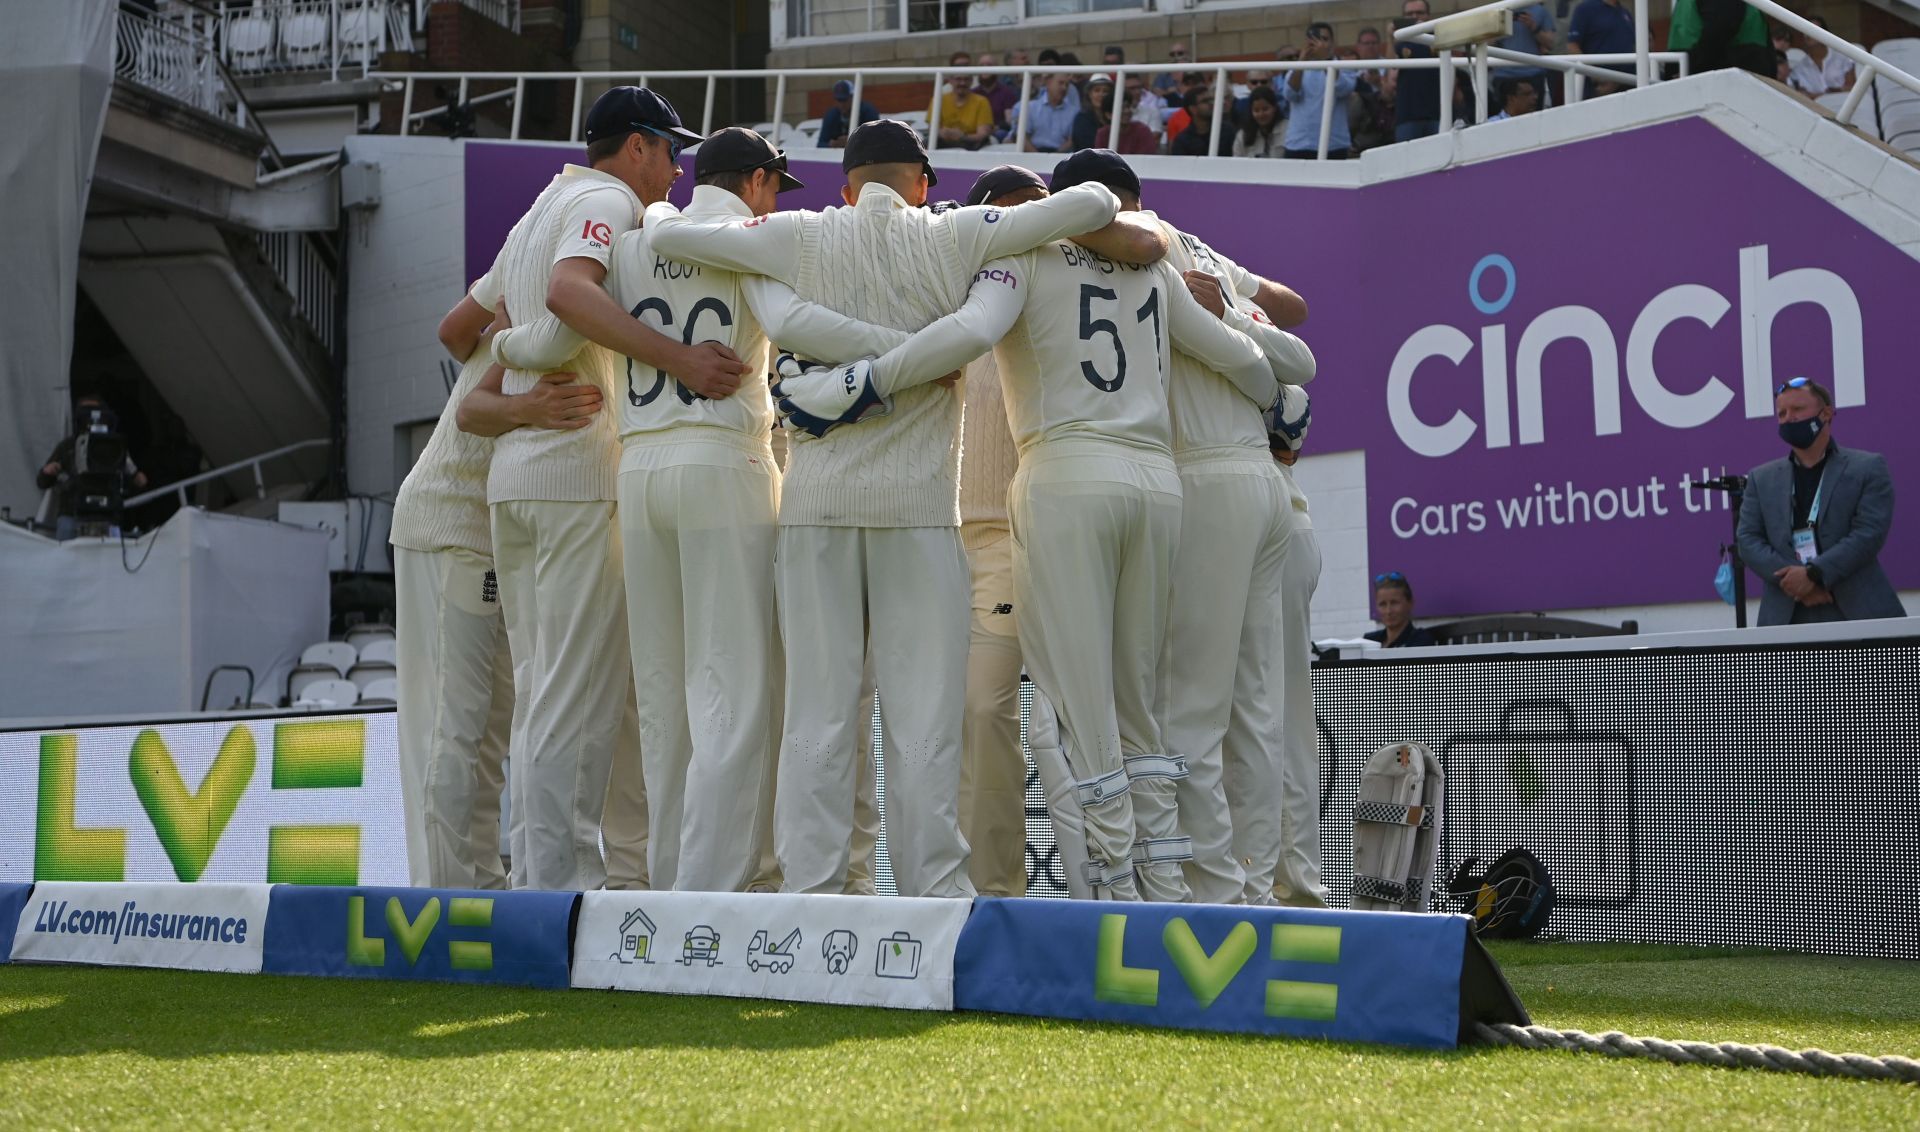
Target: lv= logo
{"points": [[1208, 974], [412, 933]]}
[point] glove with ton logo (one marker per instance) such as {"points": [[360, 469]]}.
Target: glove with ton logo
{"points": [[815, 398]]}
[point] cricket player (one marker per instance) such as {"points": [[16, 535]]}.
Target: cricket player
{"points": [[1297, 879], [556, 545], [1224, 630], [1081, 342], [456, 673], [698, 497], [869, 556]]}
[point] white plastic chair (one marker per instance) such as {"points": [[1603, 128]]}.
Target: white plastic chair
{"points": [[364, 674], [360, 635], [339, 654], [329, 693], [303, 38], [306, 676], [383, 691], [249, 40], [380, 650]]}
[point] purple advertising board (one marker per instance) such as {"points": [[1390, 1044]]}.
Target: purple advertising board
{"points": [[1539, 354]]}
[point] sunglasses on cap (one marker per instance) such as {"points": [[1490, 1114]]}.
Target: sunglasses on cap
{"points": [[674, 145], [1389, 576], [1793, 383]]}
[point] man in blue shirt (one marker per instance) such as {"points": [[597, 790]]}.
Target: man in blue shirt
{"points": [[1305, 91], [1050, 117], [1533, 29], [833, 124], [1602, 27], [1416, 93]]}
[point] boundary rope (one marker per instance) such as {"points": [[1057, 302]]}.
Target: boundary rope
{"points": [[1727, 1055]]}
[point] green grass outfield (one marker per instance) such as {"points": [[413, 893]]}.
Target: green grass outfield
{"points": [[90, 1048]]}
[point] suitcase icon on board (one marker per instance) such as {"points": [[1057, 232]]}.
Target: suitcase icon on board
{"points": [[898, 958]]}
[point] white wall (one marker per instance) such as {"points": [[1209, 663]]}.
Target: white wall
{"points": [[406, 260]]}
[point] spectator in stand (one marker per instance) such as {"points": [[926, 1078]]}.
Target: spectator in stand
{"points": [[1148, 110], [1255, 81], [1017, 58], [1166, 84], [833, 124], [1818, 70], [1717, 34], [1393, 601], [1177, 121], [1602, 27], [1092, 129], [1049, 57], [965, 118], [1263, 131], [1114, 57], [1050, 117], [1069, 59], [1517, 97], [1416, 98], [1533, 29], [1812, 523], [1370, 110], [1306, 90], [1195, 138], [1002, 97]]}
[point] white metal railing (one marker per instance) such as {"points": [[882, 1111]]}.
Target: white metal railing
{"points": [[308, 278], [511, 86], [253, 462], [176, 59], [800, 20], [310, 35]]}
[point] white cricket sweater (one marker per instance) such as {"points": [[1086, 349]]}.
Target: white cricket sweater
{"points": [[988, 457], [887, 263], [443, 501], [581, 213]]}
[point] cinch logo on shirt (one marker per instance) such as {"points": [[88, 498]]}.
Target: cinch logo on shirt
{"points": [[1000, 275]]}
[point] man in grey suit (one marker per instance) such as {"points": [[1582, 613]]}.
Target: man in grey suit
{"points": [[1813, 522]]}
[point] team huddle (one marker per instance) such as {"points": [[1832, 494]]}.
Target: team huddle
{"points": [[1043, 431]]}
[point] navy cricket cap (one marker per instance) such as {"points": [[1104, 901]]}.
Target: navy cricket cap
{"points": [[738, 149], [884, 142], [1001, 180], [843, 89], [1102, 165], [625, 109]]}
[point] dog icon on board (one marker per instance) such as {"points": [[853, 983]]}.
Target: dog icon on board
{"points": [[838, 949]]}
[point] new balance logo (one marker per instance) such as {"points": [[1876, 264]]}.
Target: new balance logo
{"points": [[1004, 607]]}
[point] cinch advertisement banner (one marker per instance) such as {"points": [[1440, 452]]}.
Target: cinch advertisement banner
{"points": [[13, 897], [1530, 420], [860, 950], [1388, 977], [199, 927], [451, 935], [295, 800]]}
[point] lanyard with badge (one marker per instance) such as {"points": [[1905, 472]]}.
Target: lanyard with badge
{"points": [[1804, 546]]}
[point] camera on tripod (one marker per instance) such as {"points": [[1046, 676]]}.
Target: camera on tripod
{"points": [[97, 484]]}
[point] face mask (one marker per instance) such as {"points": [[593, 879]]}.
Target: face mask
{"points": [[1801, 434]]}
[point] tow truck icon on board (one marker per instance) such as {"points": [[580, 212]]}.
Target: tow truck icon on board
{"points": [[776, 957]]}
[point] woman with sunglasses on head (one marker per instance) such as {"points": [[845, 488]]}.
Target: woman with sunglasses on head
{"points": [[1393, 601]]}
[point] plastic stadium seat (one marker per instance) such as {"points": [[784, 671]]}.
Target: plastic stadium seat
{"points": [[329, 693], [303, 38], [339, 654], [359, 635], [364, 674], [380, 650], [384, 691], [249, 40], [306, 676]]}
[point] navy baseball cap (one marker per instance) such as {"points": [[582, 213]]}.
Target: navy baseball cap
{"points": [[885, 142], [738, 149], [1102, 165], [625, 109], [1001, 180], [843, 89]]}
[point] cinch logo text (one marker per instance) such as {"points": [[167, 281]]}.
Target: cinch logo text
{"points": [[999, 275], [1207, 975], [364, 950], [1763, 295]]}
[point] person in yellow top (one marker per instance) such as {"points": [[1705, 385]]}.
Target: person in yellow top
{"points": [[966, 118]]}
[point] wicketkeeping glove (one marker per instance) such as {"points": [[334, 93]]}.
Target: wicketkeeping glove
{"points": [[1288, 420], [816, 399]]}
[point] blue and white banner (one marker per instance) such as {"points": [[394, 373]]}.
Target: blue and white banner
{"points": [[515, 938], [861, 950], [1352, 976], [13, 897], [192, 927]]}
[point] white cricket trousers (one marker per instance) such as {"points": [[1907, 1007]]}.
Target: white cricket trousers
{"points": [[1095, 527], [698, 509], [455, 713], [1219, 675], [576, 757], [901, 593], [993, 771], [1297, 882]]}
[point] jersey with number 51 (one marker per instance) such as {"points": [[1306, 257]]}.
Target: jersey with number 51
{"points": [[1088, 352]]}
